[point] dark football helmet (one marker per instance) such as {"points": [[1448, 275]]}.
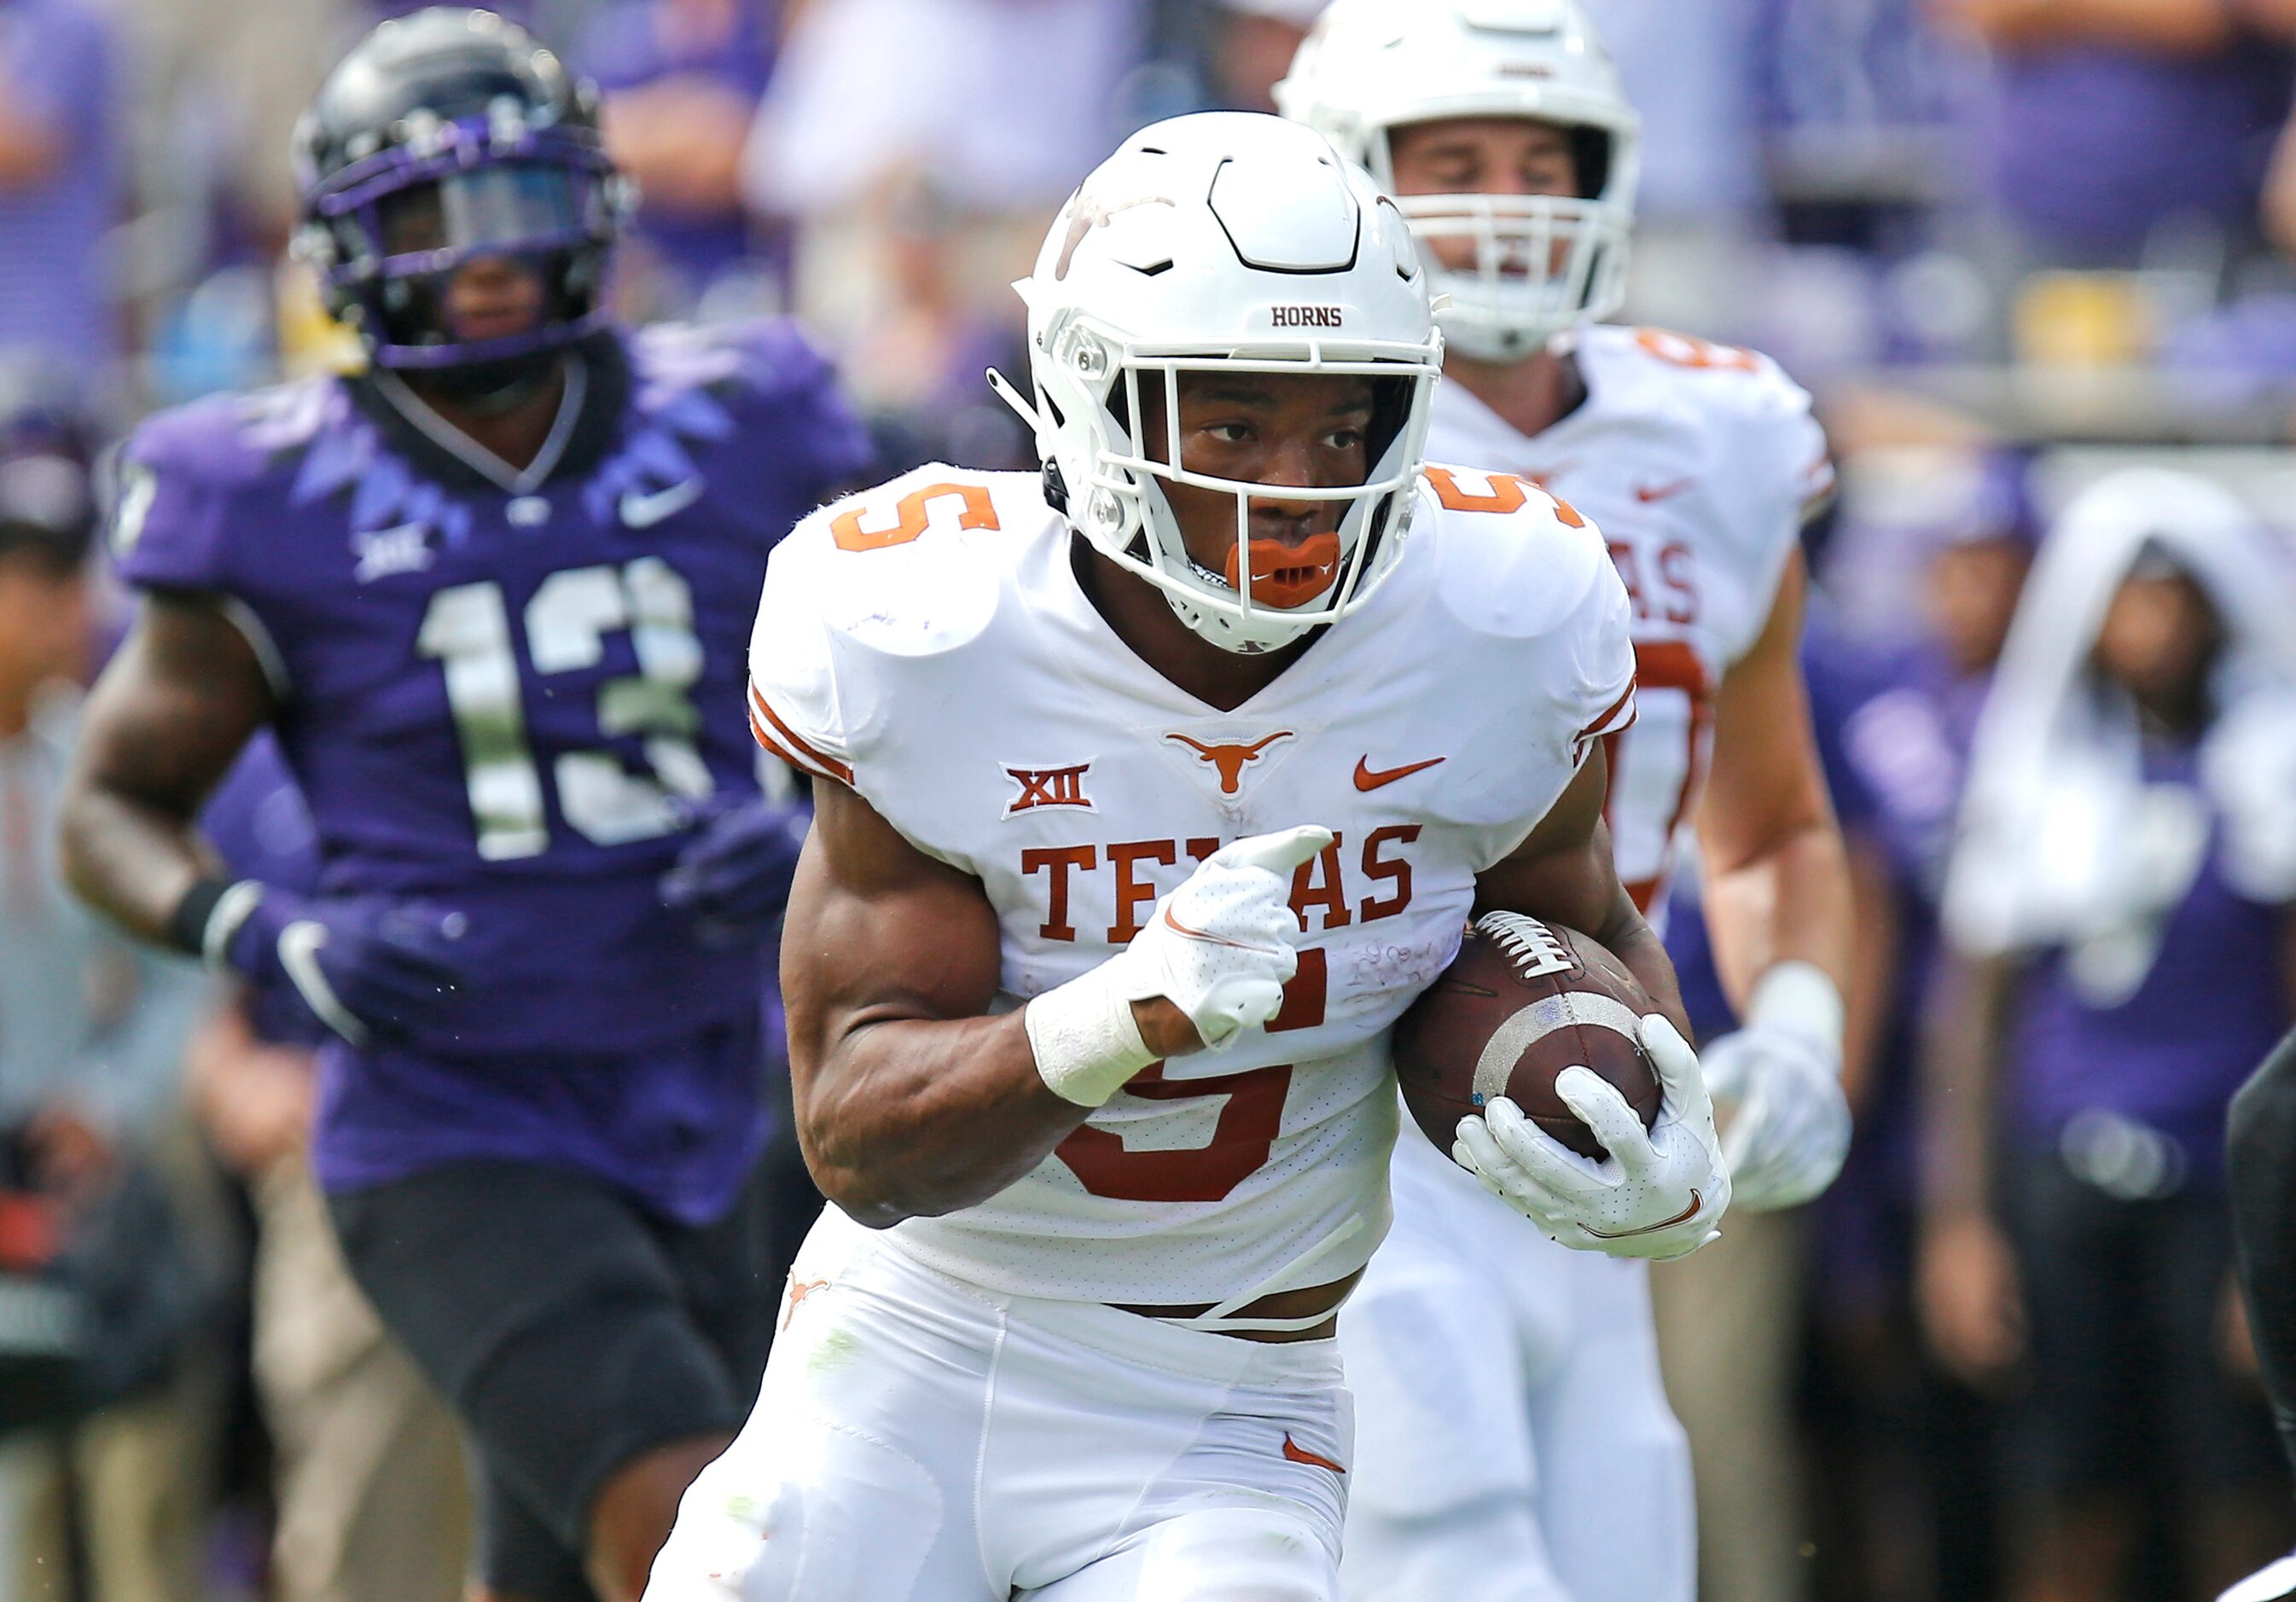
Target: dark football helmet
{"points": [[443, 137]]}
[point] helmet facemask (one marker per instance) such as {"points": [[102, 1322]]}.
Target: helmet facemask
{"points": [[1271, 593], [1543, 264]]}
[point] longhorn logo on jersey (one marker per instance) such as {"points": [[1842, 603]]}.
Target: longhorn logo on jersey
{"points": [[1230, 760]]}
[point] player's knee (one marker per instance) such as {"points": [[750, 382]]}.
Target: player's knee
{"points": [[1237, 1555], [837, 1517]]}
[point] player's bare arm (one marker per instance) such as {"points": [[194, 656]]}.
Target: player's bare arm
{"points": [[909, 1099], [1776, 881], [181, 697], [1970, 1304], [1563, 873], [1777, 897]]}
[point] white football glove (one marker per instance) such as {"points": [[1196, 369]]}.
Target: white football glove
{"points": [[1778, 1081], [1220, 948], [1661, 1191], [1790, 1131]]}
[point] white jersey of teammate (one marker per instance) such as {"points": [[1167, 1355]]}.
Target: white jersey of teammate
{"points": [[1697, 461], [929, 645]]}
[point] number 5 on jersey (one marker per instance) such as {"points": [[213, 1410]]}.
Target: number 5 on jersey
{"points": [[1243, 1133]]}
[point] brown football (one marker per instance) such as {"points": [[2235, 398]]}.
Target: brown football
{"points": [[1521, 1002]]}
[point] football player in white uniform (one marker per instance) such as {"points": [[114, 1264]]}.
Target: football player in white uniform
{"points": [[1499, 127], [1149, 792]]}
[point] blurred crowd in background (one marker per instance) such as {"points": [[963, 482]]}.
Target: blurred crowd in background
{"points": [[2019, 249]]}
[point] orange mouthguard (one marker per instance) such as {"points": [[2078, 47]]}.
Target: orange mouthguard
{"points": [[1288, 576]]}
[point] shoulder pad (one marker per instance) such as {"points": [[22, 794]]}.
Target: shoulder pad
{"points": [[915, 566], [1730, 376], [169, 484], [1510, 559], [1757, 422], [911, 570], [228, 440]]}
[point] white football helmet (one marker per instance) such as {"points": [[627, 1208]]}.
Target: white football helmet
{"points": [[1542, 263], [1208, 244]]}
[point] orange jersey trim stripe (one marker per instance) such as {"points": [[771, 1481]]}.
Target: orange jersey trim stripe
{"points": [[773, 748], [812, 761], [1603, 725]]}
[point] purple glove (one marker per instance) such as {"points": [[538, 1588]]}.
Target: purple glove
{"points": [[733, 874], [366, 969]]}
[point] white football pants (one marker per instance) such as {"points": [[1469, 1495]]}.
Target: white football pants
{"points": [[1513, 1441], [919, 1439]]}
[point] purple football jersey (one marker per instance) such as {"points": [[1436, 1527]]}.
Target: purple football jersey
{"points": [[504, 704]]}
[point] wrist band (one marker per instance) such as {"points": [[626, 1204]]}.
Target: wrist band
{"points": [[209, 914], [1800, 997], [1087, 1041]]}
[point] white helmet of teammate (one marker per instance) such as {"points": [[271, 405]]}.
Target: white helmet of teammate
{"points": [[1542, 263], [1209, 243]]}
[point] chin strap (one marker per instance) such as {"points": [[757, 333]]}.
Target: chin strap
{"points": [[1056, 488], [1013, 397]]}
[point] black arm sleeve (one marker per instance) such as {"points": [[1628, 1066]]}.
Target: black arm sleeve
{"points": [[2260, 1155]]}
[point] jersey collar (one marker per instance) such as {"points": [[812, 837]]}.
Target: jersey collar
{"points": [[598, 394]]}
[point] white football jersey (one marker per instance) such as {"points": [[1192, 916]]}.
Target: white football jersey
{"points": [[928, 644], [1699, 462]]}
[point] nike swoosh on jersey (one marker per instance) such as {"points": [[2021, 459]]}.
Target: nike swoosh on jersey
{"points": [[1368, 777], [1294, 1452], [1648, 492], [644, 510]]}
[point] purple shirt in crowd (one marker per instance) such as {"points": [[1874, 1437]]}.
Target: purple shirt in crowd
{"points": [[2096, 144], [481, 691], [57, 74], [2170, 1056]]}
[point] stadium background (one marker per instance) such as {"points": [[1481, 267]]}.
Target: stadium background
{"points": [[2010, 244]]}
